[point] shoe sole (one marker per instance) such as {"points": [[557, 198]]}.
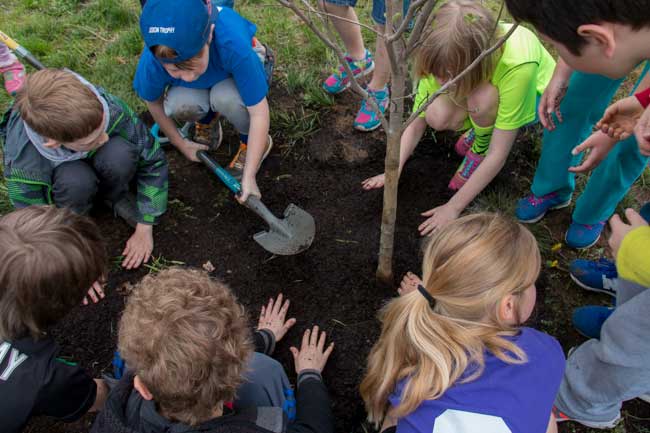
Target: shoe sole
{"points": [[364, 129], [539, 218], [347, 86], [591, 289], [582, 247], [600, 426]]}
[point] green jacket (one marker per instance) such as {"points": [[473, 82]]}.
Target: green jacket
{"points": [[29, 175]]}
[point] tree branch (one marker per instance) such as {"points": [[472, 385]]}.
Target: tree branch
{"points": [[457, 78], [420, 23], [410, 13]]}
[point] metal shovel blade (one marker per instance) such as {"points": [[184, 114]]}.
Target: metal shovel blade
{"points": [[290, 235]]}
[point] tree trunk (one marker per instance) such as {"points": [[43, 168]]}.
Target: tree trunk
{"points": [[389, 214]]}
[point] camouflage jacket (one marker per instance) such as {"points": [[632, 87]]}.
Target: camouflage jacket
{"points": [[29, 175]]}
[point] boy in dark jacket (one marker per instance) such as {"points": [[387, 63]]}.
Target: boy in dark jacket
{"points": [[67, 140], [192, 368]]}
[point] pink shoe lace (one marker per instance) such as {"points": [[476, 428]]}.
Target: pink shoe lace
{"points": [[536, 201]]}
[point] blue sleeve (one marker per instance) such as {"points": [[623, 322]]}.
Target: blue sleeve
{"points": [[150, 78], [248, 73]]}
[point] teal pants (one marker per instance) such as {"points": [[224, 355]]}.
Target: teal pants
{"points": [[585, 102]]}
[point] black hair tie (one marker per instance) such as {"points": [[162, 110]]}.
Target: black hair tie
{"points": [[427, 296]]}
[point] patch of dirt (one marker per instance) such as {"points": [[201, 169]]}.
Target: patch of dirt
{"points": [[332, 284]]}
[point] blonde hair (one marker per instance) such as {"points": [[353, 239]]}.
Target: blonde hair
{"points": [[462, 30], [187, 338], [165, 52], [55, 104], [470, 266]]}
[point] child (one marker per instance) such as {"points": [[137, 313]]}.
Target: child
{"points": [[12, 70], [453, 355], [68, 141], [494, 100], [609, 38], [186, 342], [49, 258], [198, 63]]}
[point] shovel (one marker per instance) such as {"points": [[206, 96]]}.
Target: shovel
{"points": [[290, 235], [21, 51]]}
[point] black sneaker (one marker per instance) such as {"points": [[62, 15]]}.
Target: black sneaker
{"points": [[126, 208]]}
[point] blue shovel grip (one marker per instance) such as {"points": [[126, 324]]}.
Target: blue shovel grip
{"points": [[225, 177]]}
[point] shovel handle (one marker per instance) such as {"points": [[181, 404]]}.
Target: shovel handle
{"points": [[21, 51], [225, 177]]}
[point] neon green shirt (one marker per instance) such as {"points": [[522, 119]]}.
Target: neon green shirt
{"points": [[522, 73], [633, 259]]}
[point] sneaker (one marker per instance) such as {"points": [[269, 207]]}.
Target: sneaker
{"points": [[465, 170], [465, 142], [531, 208], [583, 236], [589, 320], [339, 80], [367, 119], [126, 208], [645, 212], [14, 76], [236, 166], [209, 134], [595, 275], [562, 417]]}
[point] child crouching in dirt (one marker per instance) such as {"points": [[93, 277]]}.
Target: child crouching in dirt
{"points": [[49, 258], [492, 102], [67, 141], [453, 355], [189, 352]]}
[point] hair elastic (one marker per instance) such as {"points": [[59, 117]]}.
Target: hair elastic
{"points": [[427, 296]]}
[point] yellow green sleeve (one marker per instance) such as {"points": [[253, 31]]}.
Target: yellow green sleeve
{"points": [[633, 259], [427, 86], [517, 97]]}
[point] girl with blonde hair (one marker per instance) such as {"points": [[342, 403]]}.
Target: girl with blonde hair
{"points": [[452, 355], [491, 102]]}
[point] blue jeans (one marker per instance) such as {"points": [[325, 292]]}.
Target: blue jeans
{"points": [[379, 10]]}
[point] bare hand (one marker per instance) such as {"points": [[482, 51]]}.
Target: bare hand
{"points": [[272, 318], [438, 217], [374, 182], [311, 355], [620, 229], [409, 283], [95, 293], [599, 146], [248, 187], [189, 149], [138, 247], [620, 118], [550, 102], [642, 133]]}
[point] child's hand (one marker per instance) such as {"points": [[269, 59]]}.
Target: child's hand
{"points": [[96, 292], [409, 283], [374, 182], [551, 100], [620, 229], [138, 247], [311, 355], [620, 118], [189, 149], [599, 146], [642, 133], [272, 318], [438, 217], [248, 187]]}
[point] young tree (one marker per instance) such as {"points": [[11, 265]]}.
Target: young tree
{"points": [[403, 35]]}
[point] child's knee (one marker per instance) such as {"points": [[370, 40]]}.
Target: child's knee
{"points": [[74, 186], [483, 104], [441, 118], [117, 160], [186, 105]]}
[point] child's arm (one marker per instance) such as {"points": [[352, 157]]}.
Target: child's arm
{"points": [[500, 146], [272, 326], [185, 146], [552, 425], [23, 194], [257, 137], [550, 101]]}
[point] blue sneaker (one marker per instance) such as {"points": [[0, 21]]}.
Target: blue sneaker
{"points": [[531, 208], [339, 80], [645, 212], [583, 236], [595, 275], [367, 119], [588, 321]]}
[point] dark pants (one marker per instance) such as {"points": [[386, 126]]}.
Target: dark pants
{"points": [[108, 172]]}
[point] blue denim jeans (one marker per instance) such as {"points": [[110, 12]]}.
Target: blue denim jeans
{"points": [[379, 10]]}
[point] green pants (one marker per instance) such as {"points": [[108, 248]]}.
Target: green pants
{"points": [[585, 102]]}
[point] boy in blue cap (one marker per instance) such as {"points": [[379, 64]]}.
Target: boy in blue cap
{"points": [[199, 63]]}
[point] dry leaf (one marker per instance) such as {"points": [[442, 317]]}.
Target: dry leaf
{"points": [[208, 266]]}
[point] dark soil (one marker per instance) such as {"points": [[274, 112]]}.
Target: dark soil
{"points": [[332, 284]]}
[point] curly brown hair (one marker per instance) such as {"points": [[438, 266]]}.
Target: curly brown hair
{"points": [[187, 338]]}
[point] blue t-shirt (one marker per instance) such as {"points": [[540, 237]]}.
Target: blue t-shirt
{"points": [[231, 55], [506, 398]]}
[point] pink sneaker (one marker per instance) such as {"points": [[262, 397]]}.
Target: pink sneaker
{"points": [[14, 76], [465, 170], [464, 143]]}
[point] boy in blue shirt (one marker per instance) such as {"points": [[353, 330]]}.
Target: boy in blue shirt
{"points": [[201, 62]]}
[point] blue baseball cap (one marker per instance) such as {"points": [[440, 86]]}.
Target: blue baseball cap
{"points": [[183, 25]]}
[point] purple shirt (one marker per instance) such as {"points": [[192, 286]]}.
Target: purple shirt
{"points": [[506, 398]]}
